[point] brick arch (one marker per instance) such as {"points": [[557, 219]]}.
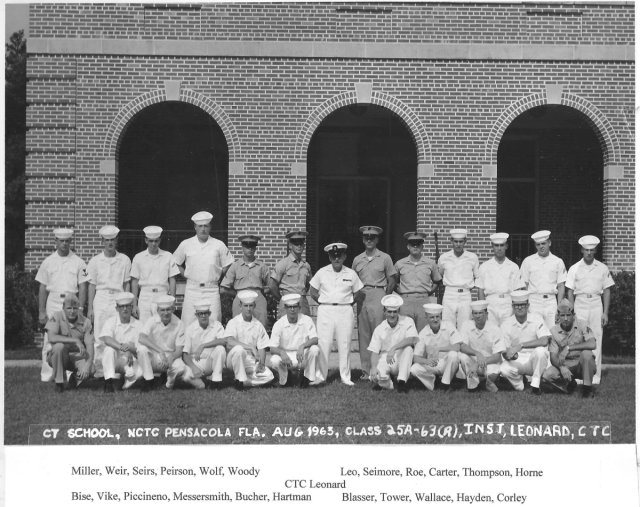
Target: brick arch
{"points": [[118, 127], [601, 126], [407, 116]]}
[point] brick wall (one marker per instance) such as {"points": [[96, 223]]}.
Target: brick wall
{"points": [[339, 22], [265, 105]]}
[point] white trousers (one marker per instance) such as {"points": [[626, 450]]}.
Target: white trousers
{"points": [[211, 363], [104, 307], [529, 362], [244, 367], [457, 307], [499, 308], [310, 364], [400, 368], [54, 304], [469, 366], [193, 294], [545, 307], [146, 306], [114, 364], [447, 367], [335, 322], [590, 310], [149, 361]]}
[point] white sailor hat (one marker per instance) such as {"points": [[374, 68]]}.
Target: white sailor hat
{"points": [[124, 298], [202, 218], [415, 236], [589, 242], [63, 233], [335, 248], [458, 233], [391, 301], [479, 305], [202, 305], [565, 305], [540, 236], [370, 229], [520, 296], [109, 231], [433, 308], [249, 238], [247, 296], [291, 299], [152, 231], [164, 301], [296, 235], [499, 238]]}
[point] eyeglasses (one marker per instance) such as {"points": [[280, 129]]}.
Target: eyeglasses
{"points": [[369, 237], [123, 307], [71, 307], [416, 243], [202, 314], [292, 307], [519, 305]]}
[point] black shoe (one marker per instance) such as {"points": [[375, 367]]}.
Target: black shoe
{"points": [[571, 386], [588, 392], [402, 387], [59, 387], [446, 388], [536, 391], [557, 386], [147, 385], [376, 387], [73, 381], [474, 390], [304, 382], [109, 387], [238, 385], [215, 385]]}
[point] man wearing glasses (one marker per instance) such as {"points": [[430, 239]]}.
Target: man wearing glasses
{"points": [[294, 344], [377, 273], [544, 275], [459, 270], [417, 278], [60, 274], [526, 338], [153, 273], [336, 287], [248, 273], [291, 275], [497, 278], [71, 344], [120, 338]]}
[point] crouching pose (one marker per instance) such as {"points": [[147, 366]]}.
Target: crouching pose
{"points": [[160, 346], [71, 344], [391, 346], [436, 352], [526, 338], [294, 344], [120, 338], [571, 349], [481, 349], [247, 341], [204, 350]]}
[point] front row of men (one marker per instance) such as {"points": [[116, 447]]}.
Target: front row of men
{"points": [[522, 346]]}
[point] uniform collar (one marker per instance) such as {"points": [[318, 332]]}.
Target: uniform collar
{"points": [[255, 262], [294, 259]]}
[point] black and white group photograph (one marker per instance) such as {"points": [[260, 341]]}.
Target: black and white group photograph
{"points": [[320, 223]]}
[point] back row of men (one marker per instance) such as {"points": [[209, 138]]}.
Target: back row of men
{"points": [[209, 269]]}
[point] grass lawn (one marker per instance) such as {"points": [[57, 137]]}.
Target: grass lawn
{"points": [[31, 402]]}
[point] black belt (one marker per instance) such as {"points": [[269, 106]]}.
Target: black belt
{"points": [[377, 286], [335, 304], [419, 293]]}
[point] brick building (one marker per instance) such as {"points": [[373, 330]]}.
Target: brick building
{"points": [[325, 116]]}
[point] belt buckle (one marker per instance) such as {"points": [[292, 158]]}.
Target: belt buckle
{"points": [[154, 290], [62, 296], [201, 284], [545, 296], [501, 295], [589, 295], [460, 290]]}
